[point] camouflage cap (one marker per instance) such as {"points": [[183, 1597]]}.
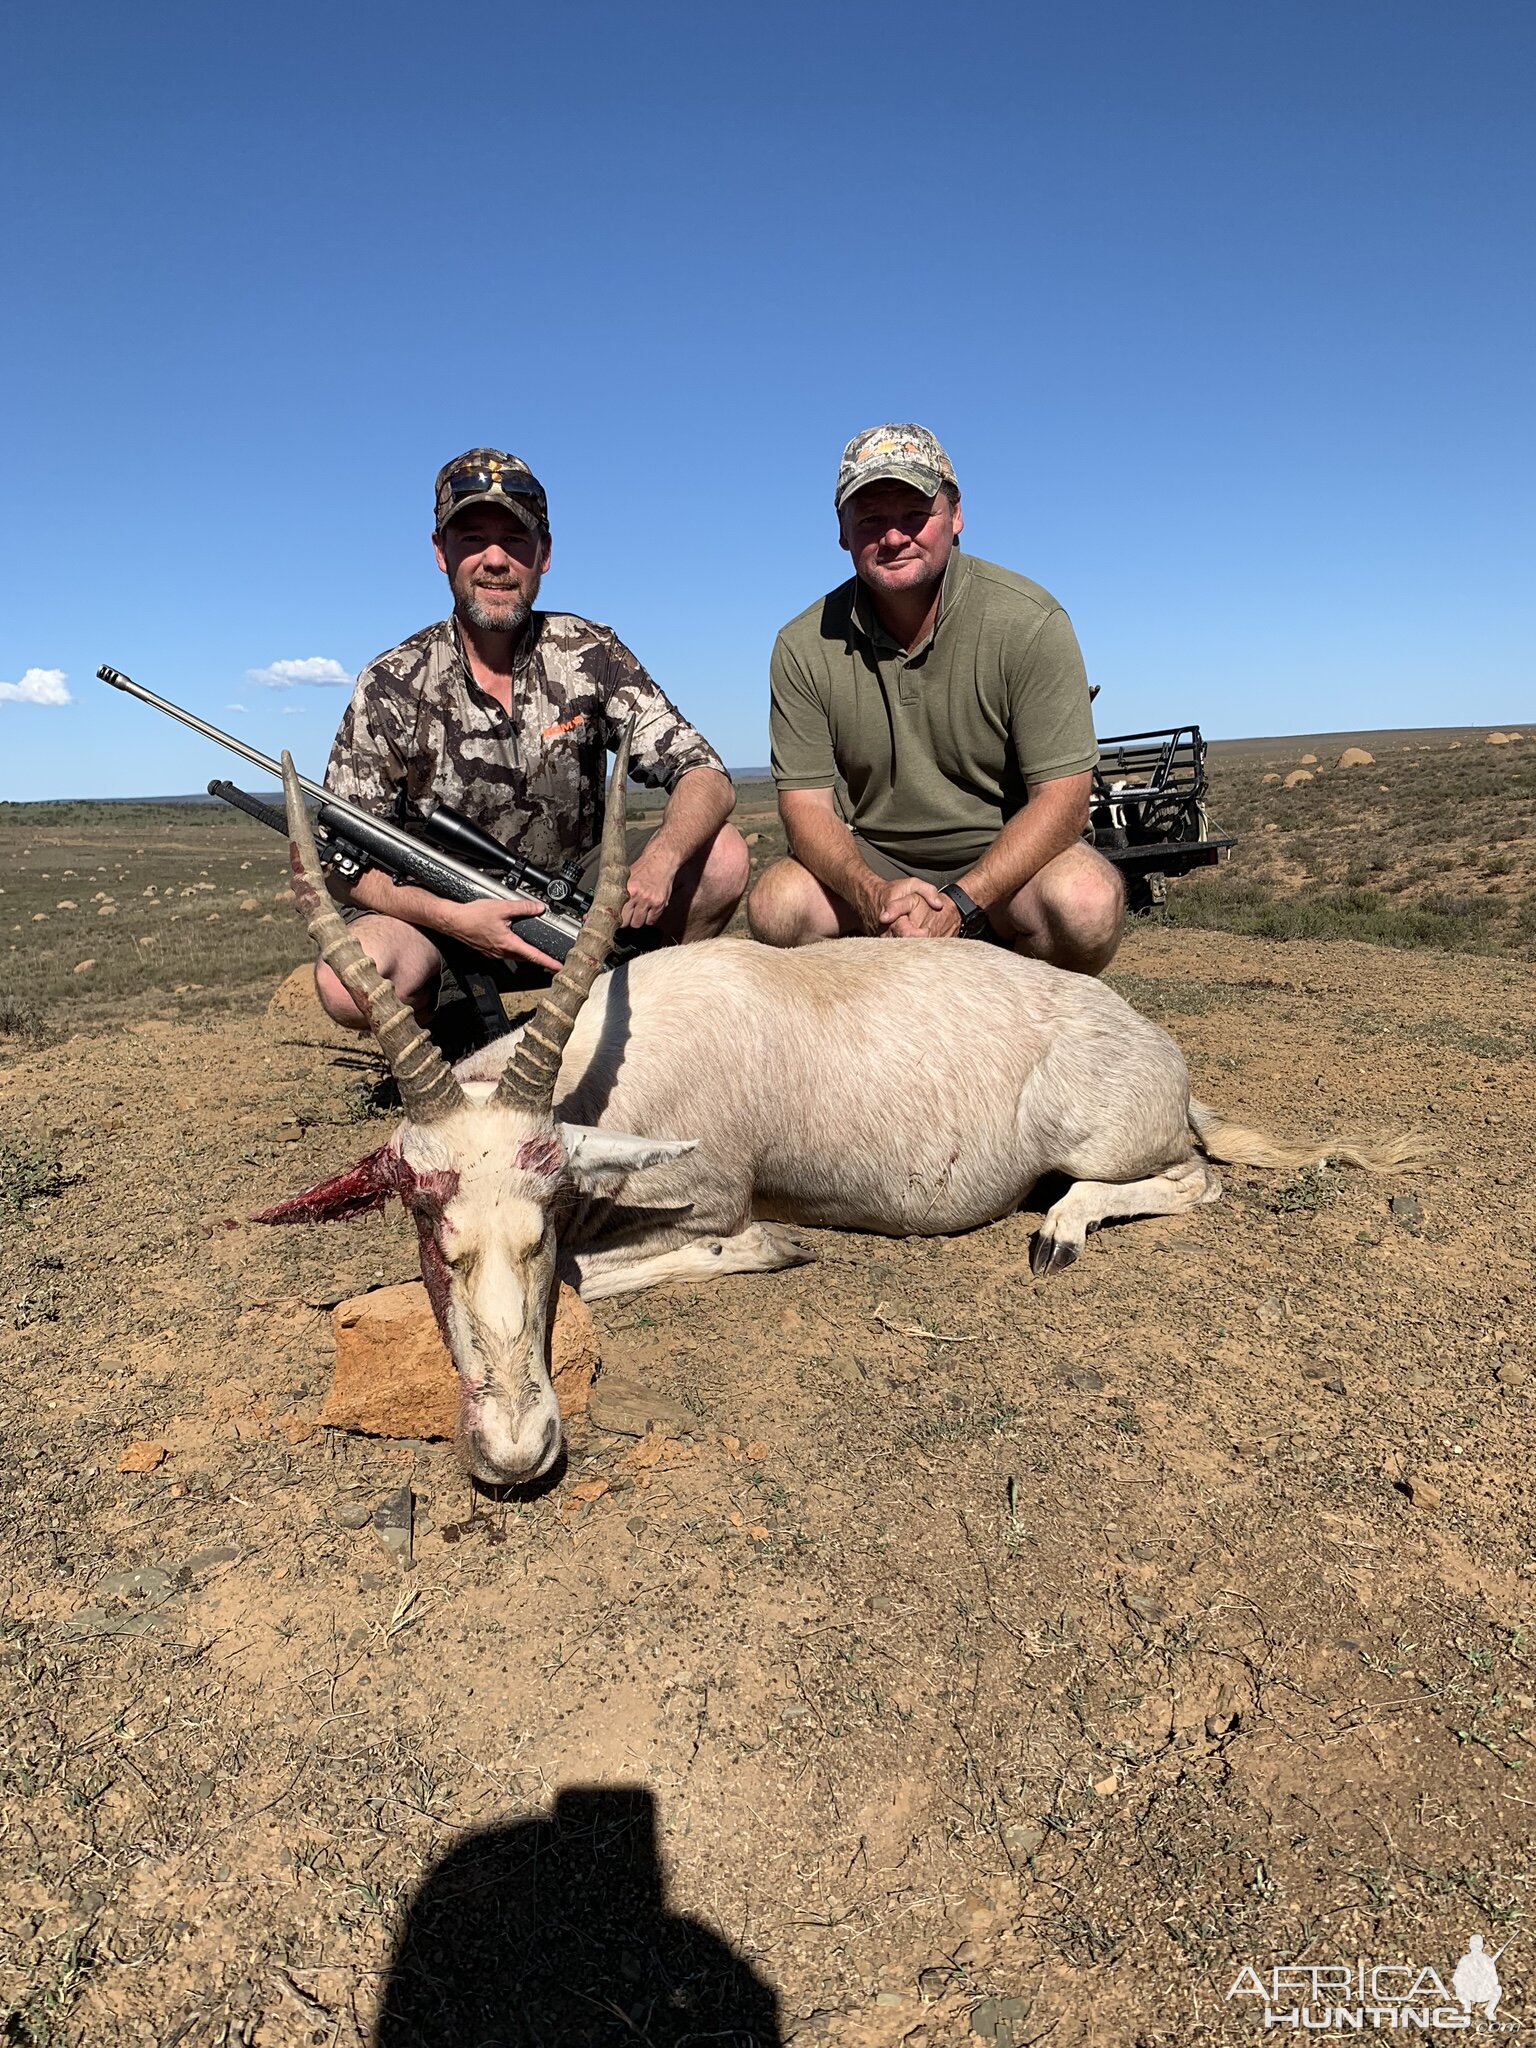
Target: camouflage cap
{"points": [[489, 476], [901, 451]]}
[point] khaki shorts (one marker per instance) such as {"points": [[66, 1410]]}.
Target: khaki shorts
{"points": [[892, 870]]}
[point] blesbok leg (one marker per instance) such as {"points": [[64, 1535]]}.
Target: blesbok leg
{"points": [[760, 1248], [1090, 1202]]}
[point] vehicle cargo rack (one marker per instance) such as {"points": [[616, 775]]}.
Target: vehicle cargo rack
{"points": [[1148, 810]]}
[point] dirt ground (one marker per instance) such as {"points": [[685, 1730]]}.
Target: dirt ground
{"points": [[990, 1659]]}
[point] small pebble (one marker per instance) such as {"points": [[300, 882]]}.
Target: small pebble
{"points": [[1023, 1838]]}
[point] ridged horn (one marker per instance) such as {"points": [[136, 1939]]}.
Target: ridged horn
{"points": [[429, 1088], [529, 1077]]}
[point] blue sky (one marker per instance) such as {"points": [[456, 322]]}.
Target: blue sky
{"points": [[1223, 309]]}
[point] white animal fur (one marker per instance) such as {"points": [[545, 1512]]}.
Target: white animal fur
{"points": [[910, 1087], [711, 1095]]}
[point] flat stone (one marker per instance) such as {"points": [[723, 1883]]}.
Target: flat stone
{"points": [[149, 1582], [1407, 1210], [394, 1378], [1083, 1380], [393, 1521], [354, 1515], [1147, 1607], [100, 1621], [205, 1560], [141, 1457], [1023, 1838], [625, 1408], [1001, 2020], [295, 1012]]}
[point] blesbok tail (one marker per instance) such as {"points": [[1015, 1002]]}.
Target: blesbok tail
{"points": [[1240, 1145]]}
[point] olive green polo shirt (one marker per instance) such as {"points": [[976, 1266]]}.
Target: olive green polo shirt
{"points": [[931, 752]]}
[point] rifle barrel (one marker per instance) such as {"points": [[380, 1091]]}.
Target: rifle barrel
{"points": [[484, 885], [119, 681]]}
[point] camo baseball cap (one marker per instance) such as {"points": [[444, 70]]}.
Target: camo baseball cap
{"points": [[901, 451], [489, 476]]}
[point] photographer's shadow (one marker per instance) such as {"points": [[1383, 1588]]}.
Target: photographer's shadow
{"points": [[553, 1931]]}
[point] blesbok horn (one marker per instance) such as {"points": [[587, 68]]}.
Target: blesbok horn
{"points": [[529, 1077], [429, 1088]]}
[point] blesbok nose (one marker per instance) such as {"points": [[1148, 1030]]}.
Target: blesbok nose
{"points": [[498, 1469]]}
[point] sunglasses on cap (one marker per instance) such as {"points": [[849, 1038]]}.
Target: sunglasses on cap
{"points": [[474, 481]]}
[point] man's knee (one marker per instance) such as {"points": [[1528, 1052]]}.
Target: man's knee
{"points": [[708, 889], [405, 957], [727, 871], [781, 911], [1094, 903], [1073, 912]]}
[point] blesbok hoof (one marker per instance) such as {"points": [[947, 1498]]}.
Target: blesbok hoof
{"points": [[1051, 1254], [794, 1249]]}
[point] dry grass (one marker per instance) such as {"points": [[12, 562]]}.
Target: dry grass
{"points": [[1433, 845]]}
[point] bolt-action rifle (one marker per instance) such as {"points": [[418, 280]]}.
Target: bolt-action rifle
{"points": [[462, 864]]}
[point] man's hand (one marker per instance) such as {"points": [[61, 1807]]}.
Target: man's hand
{"points": [[914, 909], [651, 875], [487, 926]]}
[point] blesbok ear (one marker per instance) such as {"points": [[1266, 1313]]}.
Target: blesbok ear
{"points": [[357, 1192], [596, 1156]]}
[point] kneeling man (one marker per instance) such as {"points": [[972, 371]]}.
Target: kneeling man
{"points": [[932, 738], [508, 714]]}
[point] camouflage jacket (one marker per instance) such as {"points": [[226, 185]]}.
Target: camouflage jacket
{"points": [[534, 780]]}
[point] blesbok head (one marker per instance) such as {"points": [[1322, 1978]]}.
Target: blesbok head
{"points": [[483, 1168]]}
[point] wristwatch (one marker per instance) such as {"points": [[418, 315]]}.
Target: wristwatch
{"points": [[973, 919]]}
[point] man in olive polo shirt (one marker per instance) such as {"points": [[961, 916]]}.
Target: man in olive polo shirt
{"points": [[932, 739]]}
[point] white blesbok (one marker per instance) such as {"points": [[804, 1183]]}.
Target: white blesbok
{"points": [[670, 1119]]}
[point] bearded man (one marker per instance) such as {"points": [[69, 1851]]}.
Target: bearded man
{"points": [[507, 714], [932, 740]]}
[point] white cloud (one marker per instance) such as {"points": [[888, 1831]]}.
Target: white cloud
{"points": [[293, 711], [316, 669], [234, 707], [37, 686]]}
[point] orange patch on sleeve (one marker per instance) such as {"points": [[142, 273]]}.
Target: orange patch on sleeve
{"points": [[569, 725]]}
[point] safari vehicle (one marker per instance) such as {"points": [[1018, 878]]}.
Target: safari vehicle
{"points": [[1148, 813]]}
